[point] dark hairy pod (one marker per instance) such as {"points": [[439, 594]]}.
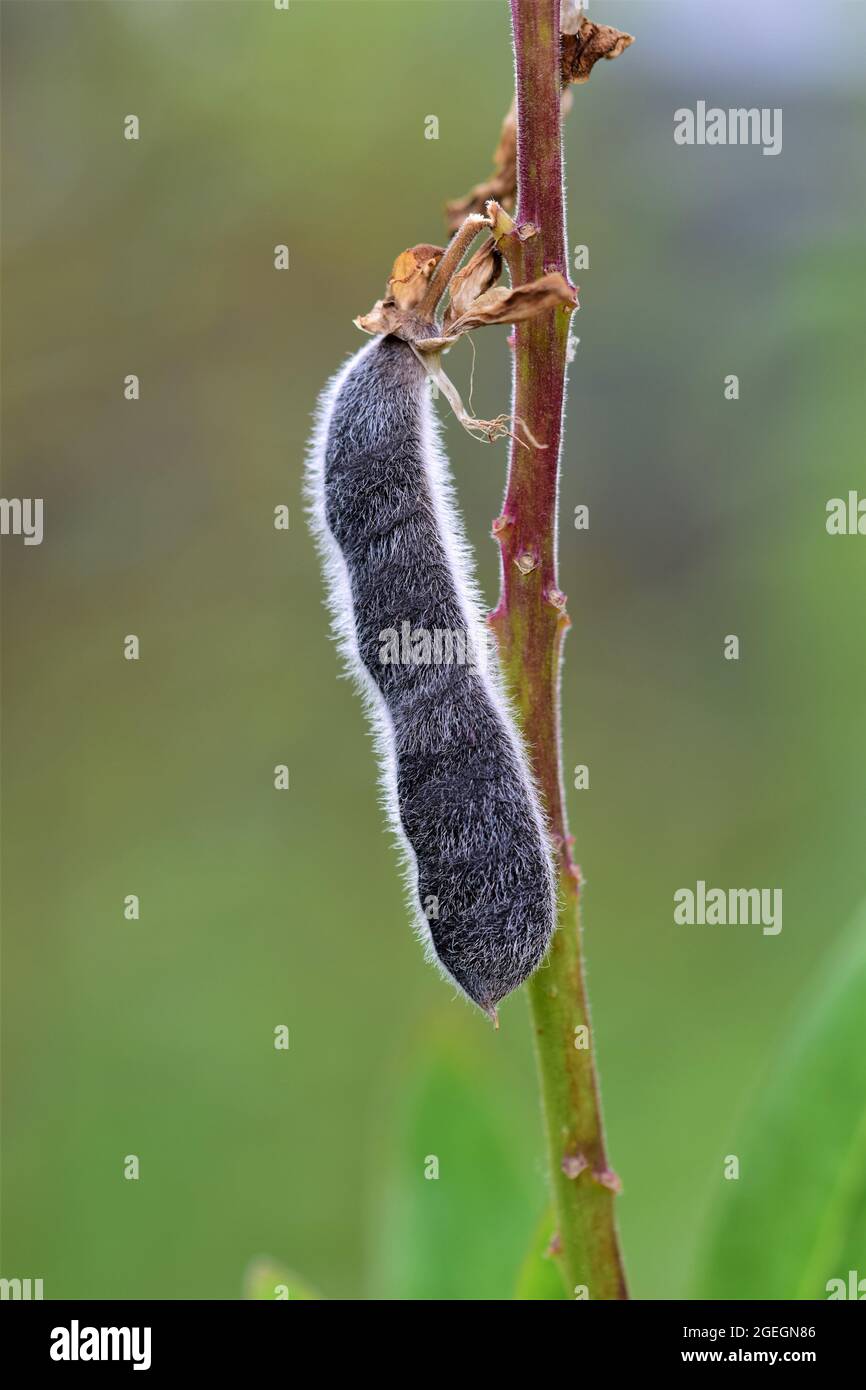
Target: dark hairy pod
{"points": [[459, 790]]}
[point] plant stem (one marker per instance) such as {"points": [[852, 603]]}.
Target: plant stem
{"points": [[530, 623]]}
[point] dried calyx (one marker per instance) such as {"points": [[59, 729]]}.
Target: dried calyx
{"points": [[589, 42], [421, 277]]}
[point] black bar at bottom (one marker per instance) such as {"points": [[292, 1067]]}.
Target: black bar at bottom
{"points": [[156, 1338]]}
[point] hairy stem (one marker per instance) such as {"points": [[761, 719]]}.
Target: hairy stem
{"points": [[530, 622]]}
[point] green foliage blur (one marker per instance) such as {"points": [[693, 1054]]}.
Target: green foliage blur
{"points": [[261, 908], [796, 1228]]}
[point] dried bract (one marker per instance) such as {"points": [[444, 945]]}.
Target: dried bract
{"points": [[477, 276], [411, 274], [581, 51], [501, 184]]}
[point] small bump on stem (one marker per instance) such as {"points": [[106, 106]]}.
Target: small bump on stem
{"points": [[574, 1164]]}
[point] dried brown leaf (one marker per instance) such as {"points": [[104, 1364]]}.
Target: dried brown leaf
{"points": [[411, 274], [504, 306], [581, 51], [384, 317], [501, 185], [515, 304], [477, 276], [408, 282], [502, 182]]}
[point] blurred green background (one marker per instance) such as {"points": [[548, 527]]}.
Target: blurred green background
{"points": [[260, 907]]}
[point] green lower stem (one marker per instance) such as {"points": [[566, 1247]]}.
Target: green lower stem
{"points": [[584, 1204], [582, 1184]]}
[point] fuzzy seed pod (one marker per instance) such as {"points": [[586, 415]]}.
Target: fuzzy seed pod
{"points": [[458, 787]]}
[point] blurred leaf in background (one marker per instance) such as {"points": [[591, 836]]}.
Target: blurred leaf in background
{"points": [[795, 1217], [457, 1209], [539, 1278]]}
